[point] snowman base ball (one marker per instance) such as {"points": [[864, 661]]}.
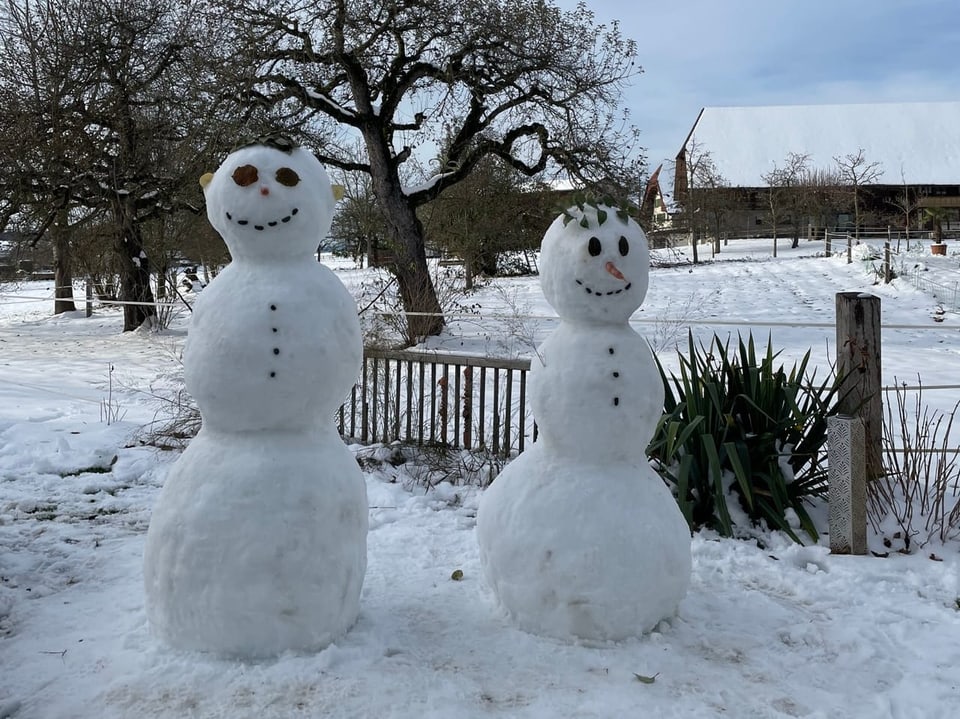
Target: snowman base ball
{"points": [[240, 572], [573, 551]]}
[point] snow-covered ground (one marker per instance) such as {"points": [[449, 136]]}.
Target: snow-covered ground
{"points": [[778, 631]]}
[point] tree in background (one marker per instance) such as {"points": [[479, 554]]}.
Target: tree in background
{"points": [[716, 199], [854, 172], [822, 195], [519, 80], [359, 228], [37, 84], [936, 217], [695, 156], [491, 212], [707, 197], [118, 120], [906, 203], [787, 195]]}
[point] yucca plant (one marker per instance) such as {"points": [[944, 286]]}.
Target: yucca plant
{"points": [[735, 423]]}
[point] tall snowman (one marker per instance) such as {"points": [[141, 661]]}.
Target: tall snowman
{"points": [[257, 544], [578, 536]]}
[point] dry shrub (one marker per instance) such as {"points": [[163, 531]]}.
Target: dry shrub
{"points": [[917, 501]]}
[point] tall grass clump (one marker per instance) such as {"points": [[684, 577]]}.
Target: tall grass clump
{"points": [[742, 440]]}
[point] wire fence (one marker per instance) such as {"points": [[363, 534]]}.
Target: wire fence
{"points": [[6, 298], [945, 292], [462, 401]]}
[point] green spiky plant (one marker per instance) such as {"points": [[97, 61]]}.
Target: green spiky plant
{"points": [[735, 426]]}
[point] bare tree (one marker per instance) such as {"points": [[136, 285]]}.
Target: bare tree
{"points": [[520, 80], [907, 202], [119, 121], [37, 80], [696, 164], [359, 227], [715, 198], [822, 195], [786, 196], [855, 172]]}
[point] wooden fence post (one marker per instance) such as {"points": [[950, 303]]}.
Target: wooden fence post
{"points": [[467, 406], [858, 365], [887, 264], [887, 269], [846, 454], [89, 291]]}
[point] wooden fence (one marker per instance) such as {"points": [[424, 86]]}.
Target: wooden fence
{"points": [[434, 398]]}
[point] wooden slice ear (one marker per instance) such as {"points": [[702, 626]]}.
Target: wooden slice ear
{"points": [[337, 191], [205, 179]]}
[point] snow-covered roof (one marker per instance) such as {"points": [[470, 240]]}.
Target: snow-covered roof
{"points": [[916, 142]]}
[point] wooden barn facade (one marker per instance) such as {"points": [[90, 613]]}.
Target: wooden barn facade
{"points": [[744, 170]]}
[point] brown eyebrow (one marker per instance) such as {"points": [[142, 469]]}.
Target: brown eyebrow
{"points": [[287, 177], [245, 175]]}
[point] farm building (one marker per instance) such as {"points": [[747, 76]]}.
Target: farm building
{"points": [[744, 170]]}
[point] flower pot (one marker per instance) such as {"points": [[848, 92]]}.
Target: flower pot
{"points": [[938, 248]]}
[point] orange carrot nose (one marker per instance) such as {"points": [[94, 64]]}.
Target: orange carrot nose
{"points": [[612, 269], [264, 191]]}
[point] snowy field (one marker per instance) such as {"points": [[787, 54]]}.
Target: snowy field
{"points": [[782, 631]]}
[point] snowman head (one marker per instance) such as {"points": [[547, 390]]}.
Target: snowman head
{"points": [[594, 265], [270, 203]]}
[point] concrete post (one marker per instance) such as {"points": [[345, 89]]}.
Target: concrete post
{"points": [[846, 453]]}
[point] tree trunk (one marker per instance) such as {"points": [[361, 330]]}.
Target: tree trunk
{"points": [[856, 215], [164, 280], [486, 260], [417, 293], [134, 270], [424, 314], [62, 267], [468, 271]]}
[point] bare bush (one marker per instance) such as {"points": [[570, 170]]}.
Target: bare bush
{"points": [[917, 500], [385, 322]]}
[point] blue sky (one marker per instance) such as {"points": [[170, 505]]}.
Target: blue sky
{"points": [[698, 53]]}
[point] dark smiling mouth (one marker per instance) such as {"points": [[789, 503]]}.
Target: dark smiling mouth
{"points": [[272, 223], [603, 294]]}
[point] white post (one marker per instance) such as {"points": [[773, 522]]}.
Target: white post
{"points": [[847, 456]]}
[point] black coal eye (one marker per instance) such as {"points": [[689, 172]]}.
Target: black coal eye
{"points": [[624, 246], [593, 247], [287, 177]]}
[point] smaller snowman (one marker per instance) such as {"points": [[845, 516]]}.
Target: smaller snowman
{"points": [[257, 543], [578, 536]]}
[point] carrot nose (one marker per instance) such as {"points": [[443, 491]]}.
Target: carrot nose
{"points": [[264, 191], [612, 269]]}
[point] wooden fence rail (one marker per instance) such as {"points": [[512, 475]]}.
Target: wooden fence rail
{"points": [[439, 399]]}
